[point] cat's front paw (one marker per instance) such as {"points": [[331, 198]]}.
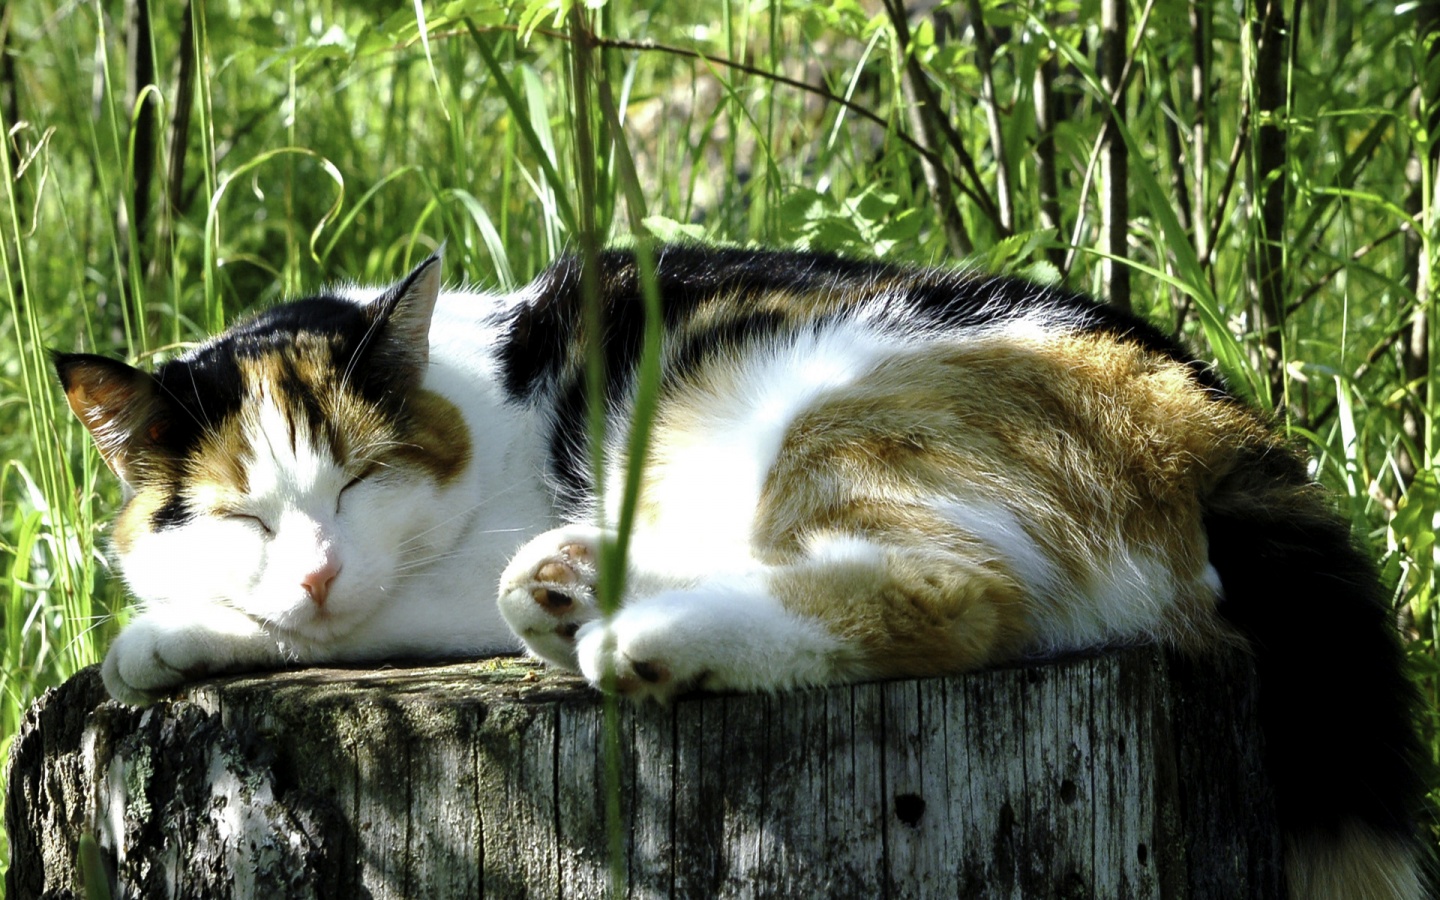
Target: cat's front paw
{"points": [[547, 592], [146, 661], [637, 672], [729, 635], [655, 649]]}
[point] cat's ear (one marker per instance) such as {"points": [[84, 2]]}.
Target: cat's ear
{"points": [[399, 335], [121, 406]]}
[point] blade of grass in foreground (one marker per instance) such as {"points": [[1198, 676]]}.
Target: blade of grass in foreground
{"points": [[611, 554]]}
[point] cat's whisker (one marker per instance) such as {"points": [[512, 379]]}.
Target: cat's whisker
{"points": [[376, 322], [199, 400], [180, 405], [95, 624], [470, 510], [425, 562], [466, 513]]}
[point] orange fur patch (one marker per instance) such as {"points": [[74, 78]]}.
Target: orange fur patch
{"points": [[435, 438], [1095, 446]]}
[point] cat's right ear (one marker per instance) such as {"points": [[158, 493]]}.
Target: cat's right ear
{"points": [[118, 404]]}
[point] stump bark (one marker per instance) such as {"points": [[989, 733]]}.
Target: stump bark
{"points": [[1126, 775]]}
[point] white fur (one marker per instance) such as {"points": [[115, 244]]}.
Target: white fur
{"points": [[1125, 599], [707, 477], [411, 558], [1003, 531], [693, 577]]}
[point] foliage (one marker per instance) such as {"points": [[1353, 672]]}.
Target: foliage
{"points": [[275, 148]]}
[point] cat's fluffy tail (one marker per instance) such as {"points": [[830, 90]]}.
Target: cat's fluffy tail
{"points": [[1337, 710]]}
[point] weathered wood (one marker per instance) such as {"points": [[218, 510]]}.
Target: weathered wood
{"points": [[1131, 774]]}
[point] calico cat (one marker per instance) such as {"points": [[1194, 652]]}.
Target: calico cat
{"points": [[857, 470]]}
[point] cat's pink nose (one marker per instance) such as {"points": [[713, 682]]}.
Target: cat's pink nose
{"points": [[317, 583]]}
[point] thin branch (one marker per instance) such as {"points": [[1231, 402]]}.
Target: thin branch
{"points": [[184, 100], [1271, 97], [1179, 185], [1199, 138], [1358, 254], [140, 50], [1417, 352], [1232, 171], [1090, 164], [9, 87], [1397, 335], [937, 180], [930, 156], [1114, 155], [1045, 165], [179, 137], [624, 160], [983, 54]]}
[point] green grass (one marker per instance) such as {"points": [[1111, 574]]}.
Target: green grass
{"points": [[326, 143]]}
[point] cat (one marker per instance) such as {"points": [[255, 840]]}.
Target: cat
{"points": [[857, 470]]}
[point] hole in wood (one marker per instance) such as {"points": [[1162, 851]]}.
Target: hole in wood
{"points": [[1068, 791], [909, 808]]}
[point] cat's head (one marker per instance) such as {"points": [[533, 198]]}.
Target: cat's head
{"points": [[286, 468]]}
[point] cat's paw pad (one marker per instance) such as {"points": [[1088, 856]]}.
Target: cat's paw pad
{"points": [[656, 673], [548, 591], [560, 577], [640, 679]]}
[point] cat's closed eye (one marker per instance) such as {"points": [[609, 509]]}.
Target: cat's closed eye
{"points": [[340, 498], [252, 521], [363, 477]]}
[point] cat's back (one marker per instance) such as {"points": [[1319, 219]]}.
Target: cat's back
{"points": [[753, 338], [718, 300]]}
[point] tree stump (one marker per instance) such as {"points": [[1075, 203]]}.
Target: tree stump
{"points": [[1129, 774]]}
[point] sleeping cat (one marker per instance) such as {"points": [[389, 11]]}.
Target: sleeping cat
{"points": [[857, 470]]}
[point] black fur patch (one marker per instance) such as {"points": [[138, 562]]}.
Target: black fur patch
{"points": [[1337, 710]]}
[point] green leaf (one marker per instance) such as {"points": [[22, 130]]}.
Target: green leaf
{"points": [[667, 229]]}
